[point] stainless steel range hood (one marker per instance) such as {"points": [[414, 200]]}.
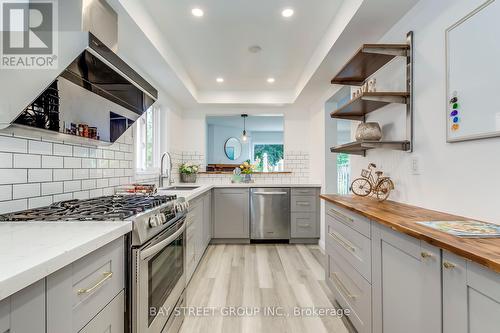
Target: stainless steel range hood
{"points": [[86, 61]]}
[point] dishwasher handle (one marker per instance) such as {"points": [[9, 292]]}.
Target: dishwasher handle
{"points": [[270, 193]]}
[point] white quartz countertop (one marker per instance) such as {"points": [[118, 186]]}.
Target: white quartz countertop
{"points": [[30, 251], [202, 188]]}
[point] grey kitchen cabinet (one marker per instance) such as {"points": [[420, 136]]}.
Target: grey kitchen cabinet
{"points": [[406, 283], [110, 319], [79, 291], [231, 213], [304, 206], [207, 219], [24, 311], [471, 297]]}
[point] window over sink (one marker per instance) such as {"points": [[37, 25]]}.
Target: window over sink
{"points": [[147, 140]]}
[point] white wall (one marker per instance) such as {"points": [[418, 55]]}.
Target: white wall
{"points": [[458, 178]]}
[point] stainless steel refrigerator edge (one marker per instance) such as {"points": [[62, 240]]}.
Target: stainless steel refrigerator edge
{"points": [[270, 213]]}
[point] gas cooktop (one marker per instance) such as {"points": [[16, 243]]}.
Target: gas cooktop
{"points": [[108, 208]]}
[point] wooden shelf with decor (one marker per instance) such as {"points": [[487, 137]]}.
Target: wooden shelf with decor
{"points": [[360, 147], [366, 62], [368, 102]]}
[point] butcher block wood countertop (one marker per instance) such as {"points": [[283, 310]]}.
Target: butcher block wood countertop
{"points": [[401, 217]]}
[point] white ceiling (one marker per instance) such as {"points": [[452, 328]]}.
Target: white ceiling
{"points": [[253, 123], [302, 53], [217, 43]]}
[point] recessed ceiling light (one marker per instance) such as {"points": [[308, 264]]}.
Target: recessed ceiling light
{"points": [[287, 12], [197, 12], [271, 80], [219, 79]]}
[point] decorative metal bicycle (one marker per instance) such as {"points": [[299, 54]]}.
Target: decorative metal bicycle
{"points": [[380, 187]]}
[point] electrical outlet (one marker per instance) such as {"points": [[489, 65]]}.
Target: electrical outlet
{"points": [[415, 166]]}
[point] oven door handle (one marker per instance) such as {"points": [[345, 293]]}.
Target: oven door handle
{"points": [[146, 253]]}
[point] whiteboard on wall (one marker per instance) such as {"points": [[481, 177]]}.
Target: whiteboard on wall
{"points": [[473, 75]]}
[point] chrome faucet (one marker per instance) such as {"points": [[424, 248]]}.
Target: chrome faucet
{"points": [[169, 174]]}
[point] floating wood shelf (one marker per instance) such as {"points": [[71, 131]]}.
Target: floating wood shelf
{"points": [[369, 59], [360, 147], [368, 102]]}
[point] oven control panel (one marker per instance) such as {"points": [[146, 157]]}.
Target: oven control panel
{"points": [[165, 215]]}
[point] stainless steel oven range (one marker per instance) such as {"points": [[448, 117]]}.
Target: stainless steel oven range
{"points": [[155, 258], [158, 277]]}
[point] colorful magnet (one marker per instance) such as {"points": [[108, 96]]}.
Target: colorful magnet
{"points": [[456, 120], [453, 113], [455, 127], [455, 105], [454, 100]]}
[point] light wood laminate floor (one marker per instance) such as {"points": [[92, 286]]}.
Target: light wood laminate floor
{"points": [[276, 277]]}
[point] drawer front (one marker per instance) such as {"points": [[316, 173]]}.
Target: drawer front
{"points": [[305, 191], [355, 221], [304, 204], [305, 225], [76, 293], [351, 291], [110, 319], [354, 247], [4, 315]]}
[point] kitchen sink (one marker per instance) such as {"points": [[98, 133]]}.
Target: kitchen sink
{"points": [[180, 188]]}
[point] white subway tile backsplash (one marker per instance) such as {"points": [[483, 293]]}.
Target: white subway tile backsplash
{"points": [[80, 173], [89, 184], [27, 161], [72, 186], [80, 151], [52, 162], [103, 164], [36, 173], [5, 160], [62, 174], [96, 193], [5, 192], [52, 188], [25, 191], [95, 173], [13, 176], [13, 206], [89, 163], [108, 191], [39, 175], [40, 147], [63, 150], [102, 183], [63, 197], [13, 145], [72, 163], [81, 195], [40, 202]]}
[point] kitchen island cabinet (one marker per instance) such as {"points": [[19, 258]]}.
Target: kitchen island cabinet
{"points": [[24, 311], [231, 214]]}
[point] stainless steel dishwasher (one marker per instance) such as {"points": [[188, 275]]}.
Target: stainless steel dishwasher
{"points": [[270, 213]]}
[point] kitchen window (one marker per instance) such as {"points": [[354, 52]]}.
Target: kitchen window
{"points": [[147, 141], [269, 157]]}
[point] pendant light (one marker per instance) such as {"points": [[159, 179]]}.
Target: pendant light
{"points": [[244, 137]]}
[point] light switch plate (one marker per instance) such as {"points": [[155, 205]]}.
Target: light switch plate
{"points": [[415, 166]]}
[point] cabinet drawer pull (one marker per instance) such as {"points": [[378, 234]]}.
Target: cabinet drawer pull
{"points": [[303, 203], [340, 215], [105, 277], [345, 244], [343, 287], [449, 265], [307, 225], [426, 255]]}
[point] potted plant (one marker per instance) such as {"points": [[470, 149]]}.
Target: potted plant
{"points": [[247, 169], [188, 172]]}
